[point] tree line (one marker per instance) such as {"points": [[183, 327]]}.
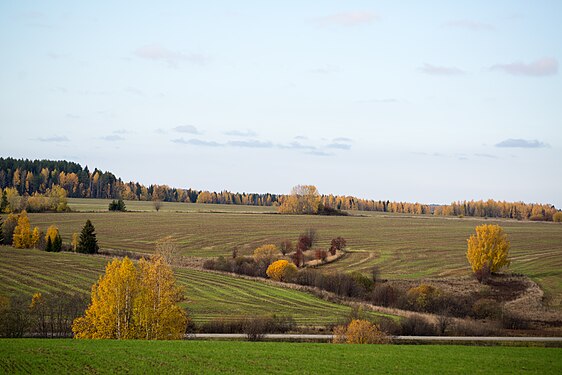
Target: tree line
{"points": [[29, 177]]}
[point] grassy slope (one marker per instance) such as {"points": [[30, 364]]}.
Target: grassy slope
{"points": [[211, 357], [209, 295], [402, 246]]}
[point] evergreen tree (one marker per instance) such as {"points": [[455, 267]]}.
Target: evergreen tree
{"points": [[1, 232], [49, 246], [4, 202], [57, 243], [117, 205], [88, 243]]}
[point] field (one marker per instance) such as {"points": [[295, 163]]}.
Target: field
{"points": [[401, 246], [211, 357], [209, 295]]}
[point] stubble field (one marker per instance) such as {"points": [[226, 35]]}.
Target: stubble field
{"points": [[209, 295], [401, 246]]}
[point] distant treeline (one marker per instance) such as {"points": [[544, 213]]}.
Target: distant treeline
{"points": [[30, 176]]}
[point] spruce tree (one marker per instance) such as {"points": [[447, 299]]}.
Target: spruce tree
{"points": [[4, 202], [49, 246], [1, 232], [88, 243], [57, 243]]}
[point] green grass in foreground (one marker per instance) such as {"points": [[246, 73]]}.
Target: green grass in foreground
{"points": [[211, 357]]}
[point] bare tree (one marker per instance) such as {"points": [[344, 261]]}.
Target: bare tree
{"points": [[168, 248], [157, 205]]}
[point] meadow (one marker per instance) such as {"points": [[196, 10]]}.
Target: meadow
{"points": [[209, 295], [18, 356], [401, 246]]}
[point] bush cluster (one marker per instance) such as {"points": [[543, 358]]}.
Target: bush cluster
{"points": [[41, 316], [241, 265], [254, 327]]}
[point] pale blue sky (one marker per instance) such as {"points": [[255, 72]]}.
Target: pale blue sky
{"points": [[417, 101]]}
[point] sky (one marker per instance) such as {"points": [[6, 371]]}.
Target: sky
{"points": [[431, 102]]}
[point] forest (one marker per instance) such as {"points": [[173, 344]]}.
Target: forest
{"points": [[38, 176]]}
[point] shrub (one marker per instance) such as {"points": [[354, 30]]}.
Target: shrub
{"points": [[422, 297], [486, 308], [417, 326], [286, 246], [281, 270], [511, 320], [337, 243], [306, 240], [384, 295], [557, 217], [359, 332], [254, 326], [266, 253]]}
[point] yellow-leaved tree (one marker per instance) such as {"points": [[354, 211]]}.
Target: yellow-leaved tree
{"points": [[488, 249], [24, 237], [359, 331], [157, 315], [281, 270], [52, 233], [304, 199], [266, 253], [131, 303]]}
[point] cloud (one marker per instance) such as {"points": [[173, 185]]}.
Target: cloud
{"points": [[240, 133], [190, 129], [342, 139], [470, 25], [160, 131], [378, 101], [328, 69], [197, 142], [250, 144], [122, 131], [112, 138], [301, 137], [340, 146], [348, 19], [547, 66], [157, 52], [441, 70], [521, 143], [319, 153], [134, 91], [297, 146], [56, 138], [489, 156]]}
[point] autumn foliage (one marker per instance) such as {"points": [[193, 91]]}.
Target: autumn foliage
{"points": [[304, 199], [24, 237], [359, 332], [134, 302], [281, 270], [488, 248], [266, 253]]}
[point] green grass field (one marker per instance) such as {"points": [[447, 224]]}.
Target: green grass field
{"points": [[401, 246], [19, 356], [209, 295]]}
